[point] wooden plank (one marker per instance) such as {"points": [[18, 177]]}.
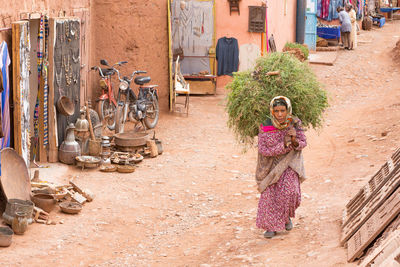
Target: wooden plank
{"points": [[355, 206], [326, 49], [388, 246], [53, 151], [16, 39], [367, 191], [170, 59], [362, 216], [373, 226]]}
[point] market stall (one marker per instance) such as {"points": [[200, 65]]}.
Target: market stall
{"points": [[46, 62]]}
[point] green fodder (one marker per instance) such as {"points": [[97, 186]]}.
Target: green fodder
{"points": [[251, 92], [303, 48]]}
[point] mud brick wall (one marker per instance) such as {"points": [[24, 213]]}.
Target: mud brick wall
{"points": [[135, 31]]}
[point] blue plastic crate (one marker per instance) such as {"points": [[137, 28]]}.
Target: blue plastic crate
{"points": [[379, 21], [328, 33]]}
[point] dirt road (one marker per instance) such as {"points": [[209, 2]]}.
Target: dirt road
{"points": [[196, 204]]}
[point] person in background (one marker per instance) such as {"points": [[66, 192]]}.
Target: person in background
{"points": [[345, 29], [353, 18], [280, 168]]}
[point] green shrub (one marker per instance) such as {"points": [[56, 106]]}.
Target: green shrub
{"points": [[251, 92]]}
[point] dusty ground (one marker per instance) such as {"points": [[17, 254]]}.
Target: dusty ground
{"points": [[196, 204]]}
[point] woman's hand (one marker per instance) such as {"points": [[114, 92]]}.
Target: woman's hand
{"points": [[292, 132]]}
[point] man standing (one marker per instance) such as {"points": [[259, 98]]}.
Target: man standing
{"points": [[345, 21]]}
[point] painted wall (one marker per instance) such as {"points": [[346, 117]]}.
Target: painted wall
{"points": [[135, 31], [281, 16]]}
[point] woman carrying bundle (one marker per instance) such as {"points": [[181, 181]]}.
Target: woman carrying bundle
{"points": [[280, 168]]}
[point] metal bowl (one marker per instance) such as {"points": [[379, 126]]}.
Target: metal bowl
{"points": [[87, 161], [6, 234], [134, 139]]}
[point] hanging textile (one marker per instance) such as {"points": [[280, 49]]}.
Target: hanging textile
{"points": [[248, 54], [42, 65], [334, 4], [5, 95], [319, 6], [360, 9], [40, 48], [45, 76], [325, 8]]}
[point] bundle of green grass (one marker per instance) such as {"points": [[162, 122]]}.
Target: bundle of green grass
{"points": [[276, 74]]}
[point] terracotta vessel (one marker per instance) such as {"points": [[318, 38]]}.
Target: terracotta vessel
{"points": [[20, 222], [5, 236], [14, 205], [44, 201]]}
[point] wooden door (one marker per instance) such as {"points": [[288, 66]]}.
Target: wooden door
{"points": [[311, 24]]}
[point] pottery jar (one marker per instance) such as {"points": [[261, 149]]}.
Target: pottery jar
{"points": [[20, 222]]}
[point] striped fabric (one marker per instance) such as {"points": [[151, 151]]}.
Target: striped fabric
{"points": [[45, 75], [39, 69], [5, 62], [42, 64]]}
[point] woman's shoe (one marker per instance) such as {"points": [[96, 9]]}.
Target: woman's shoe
{"points": [[289, 225], [269, 234]]}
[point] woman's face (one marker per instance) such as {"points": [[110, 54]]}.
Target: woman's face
{"points": [[280, 113]]}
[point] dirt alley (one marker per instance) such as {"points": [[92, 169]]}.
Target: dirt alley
{"points": [[196, 204]]}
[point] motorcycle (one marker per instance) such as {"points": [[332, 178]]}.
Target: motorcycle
{"points": [[141, 107], [107, 105]]}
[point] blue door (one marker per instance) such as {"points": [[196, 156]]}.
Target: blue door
{"points": [[311, 24]]}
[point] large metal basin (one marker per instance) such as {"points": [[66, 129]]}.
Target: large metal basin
{"points": [[134, 139]]}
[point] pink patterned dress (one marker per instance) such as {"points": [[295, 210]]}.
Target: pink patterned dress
{"points": [[279, 201]]}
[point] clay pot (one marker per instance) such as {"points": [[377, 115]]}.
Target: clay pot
{"points": [[5, 236], [70, 207], [20, 223], [65, 106], [44, 201], [14, 205], [159, 146]]}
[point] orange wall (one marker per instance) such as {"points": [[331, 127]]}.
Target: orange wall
{"points": [[282, 26]]}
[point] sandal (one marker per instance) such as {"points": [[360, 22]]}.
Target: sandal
{"points": [[289, 225], [269, 234]]}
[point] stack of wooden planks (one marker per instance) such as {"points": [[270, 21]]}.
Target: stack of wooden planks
{"points": [[371, 210]]}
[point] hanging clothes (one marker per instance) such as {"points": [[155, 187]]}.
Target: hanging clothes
{"points": [[227, 55], [319, 6], [5, 62], [333, 5], [248, 55], [325, 8]]}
